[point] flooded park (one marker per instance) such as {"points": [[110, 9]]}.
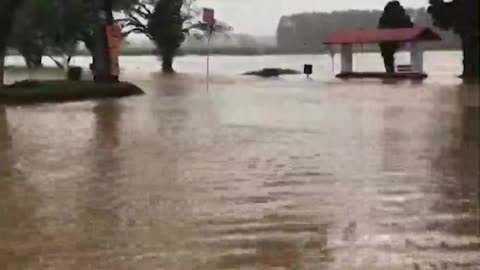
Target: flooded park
{"points": [[278, 173]]}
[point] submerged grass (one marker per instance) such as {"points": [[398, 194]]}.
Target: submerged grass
{"points": [[61, 91]]}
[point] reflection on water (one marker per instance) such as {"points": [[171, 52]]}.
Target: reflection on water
{"points": [[97, 195], [17, 208], [256, 174], [5, 165]]}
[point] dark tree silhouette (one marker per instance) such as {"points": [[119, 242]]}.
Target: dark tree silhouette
{"points": [[462, 17], [166, 24], [8, 10], [394, 16]]}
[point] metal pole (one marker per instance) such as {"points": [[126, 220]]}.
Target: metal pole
{"points": [[208, 62], [208, 57], [333, 63], [332, 56]]}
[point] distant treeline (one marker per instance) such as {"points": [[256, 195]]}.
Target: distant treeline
{"points": [[184, 52], [230, 51], [306, 32], [205, 51]]}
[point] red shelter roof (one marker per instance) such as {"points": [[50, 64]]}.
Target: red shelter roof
{"points": [[383, 35]]}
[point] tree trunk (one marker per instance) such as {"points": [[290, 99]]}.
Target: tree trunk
{"points": [[2, 66], [389, 62], [32, 61], [470, 56], [101, 52], [101, 71], [89, 42], [36, 59], [4, 138], [388, 50], [167, 62], [100, 63]]}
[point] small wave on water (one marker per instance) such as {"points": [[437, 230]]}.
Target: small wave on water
{"points": [[255, 174]]}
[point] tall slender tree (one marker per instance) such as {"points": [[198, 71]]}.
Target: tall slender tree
{"points": [[164, 22], [167, 26], [167, 23]]}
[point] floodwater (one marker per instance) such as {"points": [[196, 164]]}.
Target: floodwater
{"points": [[286, 173]]}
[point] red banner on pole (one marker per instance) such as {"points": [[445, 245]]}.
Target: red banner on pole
{"points": [[114, 38]]}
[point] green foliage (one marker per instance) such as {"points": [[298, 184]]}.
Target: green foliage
{"points": [[461, 16], [166, 26], [440, 12], [55, 27], [49, 27], [7, 15], [394, 16], [165, 22], [117, 5]]}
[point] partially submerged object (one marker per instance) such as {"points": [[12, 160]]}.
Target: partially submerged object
{"points": [[273, 72], [410, 36], [382, 75], [59, 91]]}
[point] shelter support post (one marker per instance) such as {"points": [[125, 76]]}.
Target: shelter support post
{"points": [[416, 57], [347, 58]]}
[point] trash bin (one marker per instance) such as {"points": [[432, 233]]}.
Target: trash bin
{"points": [[74, 73], [308, 69]]}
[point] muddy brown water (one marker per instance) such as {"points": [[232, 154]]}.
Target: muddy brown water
{"points": [[285, 173]]}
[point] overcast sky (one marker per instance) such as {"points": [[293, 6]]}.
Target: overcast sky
{"points": [[260, 17]]}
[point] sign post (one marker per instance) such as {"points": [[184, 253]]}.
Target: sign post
{"points": [[209, 20], [308, 70]]}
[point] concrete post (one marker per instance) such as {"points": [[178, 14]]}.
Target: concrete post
{"points": [[347, 58], [416, 57]]}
